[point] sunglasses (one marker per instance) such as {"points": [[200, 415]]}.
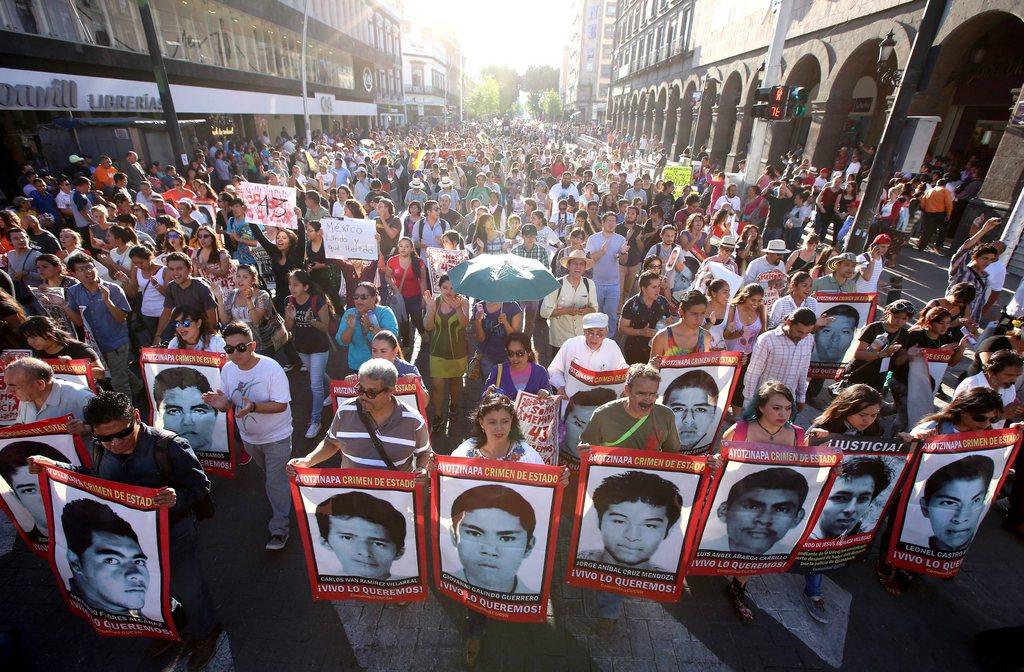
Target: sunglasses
{"points": [[106, 438], [205, 236], [182, 323], [230, 349], [361, 297], [982, 417], [515, 353], [370, 394], [173, 236]]}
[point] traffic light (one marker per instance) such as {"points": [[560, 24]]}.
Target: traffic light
{"points": [[797, 102], [770, 103]]}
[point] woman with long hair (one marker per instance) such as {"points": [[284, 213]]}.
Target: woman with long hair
{"points": [[446, 318], [687, 336], [286, 253], [413, 214], [49, 341], [50, 292], [307, 317], [12, 316], [803, 259], [192, 333], [746, 320], [718, 294], [693, 238], [749, 247], [360, 323], [767, 420], [407, 275], [972, 411], [325, 273], [385, 345], [520, 372], [211, 259]]}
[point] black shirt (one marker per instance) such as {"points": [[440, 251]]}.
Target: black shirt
{"points": [[870, 372], [989, 345], [73, 349], [915, 338], [778, 208], [45, 242], [638, 348]]}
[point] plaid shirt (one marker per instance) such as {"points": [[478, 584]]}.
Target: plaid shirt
{"points": [[777, 357], [538, 252], [960, 271]]}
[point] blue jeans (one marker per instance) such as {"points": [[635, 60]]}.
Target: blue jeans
{"points": [[188, 585], [608, 303], [609, 605], [812, 584], [792, 237], [316, 362]]}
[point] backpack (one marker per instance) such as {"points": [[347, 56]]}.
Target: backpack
{"points": [[444, 225], [203, 509]]}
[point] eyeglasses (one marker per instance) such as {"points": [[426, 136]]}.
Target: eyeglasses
{"points": [[205, 236], [107, 438], [242, 347], [182, 323], [360, 297], [515, 353], [370, 394]]}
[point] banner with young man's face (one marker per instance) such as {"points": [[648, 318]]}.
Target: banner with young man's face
{"points": [[835, 343], [110, 553], [78, 371], [632, 533], [950, 487], [763, 504], [175, 382], [494, 529], [363, 533], [699, 388], [870, 473], [20, 496], [925, 371], [408, 389]]}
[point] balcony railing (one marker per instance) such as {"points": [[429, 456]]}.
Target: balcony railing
{"points": [[426, 90]]}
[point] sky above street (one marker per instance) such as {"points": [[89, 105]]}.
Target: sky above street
{"points": [[518, 34]]}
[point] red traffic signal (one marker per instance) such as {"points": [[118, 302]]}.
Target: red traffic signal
{"points": [[770, 103]]}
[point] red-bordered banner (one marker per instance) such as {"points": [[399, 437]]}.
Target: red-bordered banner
{"points": [[949, 490], [9, 402], [408, 389], [870, 475], [834, 344], [110, 553], [632, 532], [580, 378], [363, 533], [175, 382], [699, 388], [760, 507], [494, 530], [925, 371], [538, 418], [19, 490], [74, 371]]}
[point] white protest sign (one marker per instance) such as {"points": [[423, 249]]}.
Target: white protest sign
{"points": [[348, 238], [269, 205]]}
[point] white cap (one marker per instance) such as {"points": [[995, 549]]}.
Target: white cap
{"points": [[595, 321]]}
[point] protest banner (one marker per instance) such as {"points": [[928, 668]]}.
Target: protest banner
{"points": [[440, 261], [348, 238], [175, 381], [580, 378], [494, 529], [538, 418], [585, 390], [835, 344], [53, 302], [774, 283], [680, 174], [762, 505], [264, 267], [19, 490], [408, 389], [712, 270], [9, 402], [109, 552], [269, 205], [950, 487], [925, 371], [363, 533], [88, 336], [698, 389], [78, 371], [631, 533], [870, 474]]}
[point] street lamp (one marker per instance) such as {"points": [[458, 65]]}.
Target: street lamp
{"points": [[887, 74]]}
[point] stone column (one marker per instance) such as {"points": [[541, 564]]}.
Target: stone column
{"points": [[657, 127], [669, 130], [682, 131], [736, 147]]}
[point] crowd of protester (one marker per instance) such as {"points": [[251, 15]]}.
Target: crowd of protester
{"points": [[149, 256]]}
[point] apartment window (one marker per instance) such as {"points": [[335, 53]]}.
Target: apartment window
{"points": [[609, 31], [610, 9], [417, 74]]}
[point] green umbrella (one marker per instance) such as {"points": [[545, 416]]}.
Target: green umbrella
{"points": [[503, 277]]}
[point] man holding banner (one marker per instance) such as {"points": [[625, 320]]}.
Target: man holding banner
{"points": [[127, 451]]}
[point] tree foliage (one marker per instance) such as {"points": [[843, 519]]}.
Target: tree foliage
{"points": [[538, 78], [483, 99], [533, 105], [551, 105], [508, 85]]}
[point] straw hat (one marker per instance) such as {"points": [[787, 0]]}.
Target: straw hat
{"points": [[577, 254], [776, 247], [446, 183]]}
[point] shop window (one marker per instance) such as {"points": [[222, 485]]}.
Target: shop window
{"points": [[125, 24], [61, 22], [93, 22]]}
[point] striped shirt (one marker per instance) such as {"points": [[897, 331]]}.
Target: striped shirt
{"points": [[403, 435]]}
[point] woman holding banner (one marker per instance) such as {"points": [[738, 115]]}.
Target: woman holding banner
{"points": [[192, 333], [49, 342], [286, 254], [766, 420], [521, 372], [854, 412], [973, 411]]}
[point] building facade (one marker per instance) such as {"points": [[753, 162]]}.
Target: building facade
{"points": [[686, 73], [432, 77], [588, 67], [236, 64]]}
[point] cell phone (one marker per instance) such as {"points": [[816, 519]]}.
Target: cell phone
{"points": [[971, 340]]}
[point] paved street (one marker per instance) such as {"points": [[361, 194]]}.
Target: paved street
{"points": [[271, 623]]}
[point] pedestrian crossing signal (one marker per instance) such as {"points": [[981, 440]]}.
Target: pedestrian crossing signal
{"points": [[797, 102], [770, 103]]}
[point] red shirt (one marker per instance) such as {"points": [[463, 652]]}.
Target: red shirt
{"points": [[406, 278]]}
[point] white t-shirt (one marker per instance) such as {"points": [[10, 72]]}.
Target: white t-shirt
{"points": [[152, 299], [995, 274], [216, 345], [1007, 394], [264, 382], [870, 285]]}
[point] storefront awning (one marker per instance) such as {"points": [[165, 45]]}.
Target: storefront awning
{"points": [[68, 122]]}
